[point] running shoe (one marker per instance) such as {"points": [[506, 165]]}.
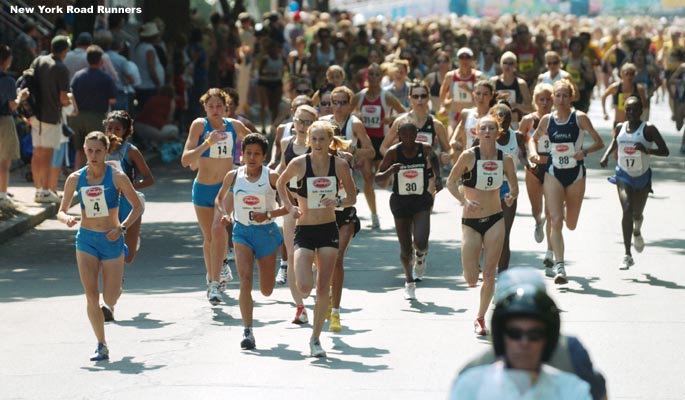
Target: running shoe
{"points": [[225, 276], [248, 342], [410, 290], [540, 231], [282, 276], [301, 316], [213, 295], [101, 353], [420, 266], [230, 256], [335, 325], [560, 276], [375, 223], [315, 349], [627, 262], [50, 197], [7, 204], [479, 327], [638, 242], [107, 312]]}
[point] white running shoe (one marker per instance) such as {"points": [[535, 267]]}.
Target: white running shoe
{"points": [[549, 259], [315, 349], [375, 223], [410, 290], [7, 204], [560, 276], [51, 197], [420, 266], [540, 231], [230, 256], [282, 276], [213, 294], [627, 262], [226, 274], [638, 242]]}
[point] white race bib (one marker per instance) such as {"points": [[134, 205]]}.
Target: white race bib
{"points": [[544, 144], [490, 174], [116, 164], [424, 137], [629, 157], [222, 148], [512, 95], [562, 155], [410, 181], [462, 95], [246, 204], [320, 188], [371, 115], [94, 201]]}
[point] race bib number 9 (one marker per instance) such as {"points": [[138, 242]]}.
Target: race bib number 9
{"points": [[318, 189], [562, 155], [247, 204], [490, 174], [410, 181], [371, 115], [223, 148], [93, 198], [629, 157]]}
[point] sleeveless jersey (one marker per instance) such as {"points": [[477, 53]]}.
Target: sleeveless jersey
{"points": [[470, 126], [565, 140], [346, 130], [543, 143], [412, 178], [486, 174], [222, 149], [511, 147], [634, 162], [119, 160], [426, 133], [316, 188], [514, 91], [252, 196], [287, 130], [620, 97], [462, 95], [373, 113], [97, 200]]}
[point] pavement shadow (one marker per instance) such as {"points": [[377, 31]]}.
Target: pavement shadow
{"points": [[141, 321], [366, 352], [678, 245], [586, 288], [432, 308], [355, 366], [654, 281], [281, 351], [124, 366]]}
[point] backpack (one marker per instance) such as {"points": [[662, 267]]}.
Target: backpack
{"points": [[31, 106]]}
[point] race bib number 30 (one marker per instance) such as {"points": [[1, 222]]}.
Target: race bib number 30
{"points": [[490, 174], [247, 204], [222, 148], [94, 201], [318, 189], [410, 181], [629, 157], [562, 155]]}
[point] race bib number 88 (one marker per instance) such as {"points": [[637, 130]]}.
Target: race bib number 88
{"points": [[562, 155]]}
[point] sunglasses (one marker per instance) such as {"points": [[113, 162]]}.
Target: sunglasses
{"points": [[629, 73], [339, 102], [301, 91], [325, 103], [553, 62], [419, 96], [533, 335], [508, 62], [305, 122], [464, 57]]}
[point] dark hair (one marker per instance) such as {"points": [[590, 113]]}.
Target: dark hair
{"points": [[94, 54], [215, 92], [256, 138], [5, 52], [99, 136], [123, 118], [233, 94]]}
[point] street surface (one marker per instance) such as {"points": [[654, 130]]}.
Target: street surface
{"points": [[169, 343]]}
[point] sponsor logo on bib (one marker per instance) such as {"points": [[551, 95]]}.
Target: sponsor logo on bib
{"points": [[490, 166], [322, 183], [562, 148], [94, 191], [410, 174], [369, 109], [251, 200], [629, 150]]}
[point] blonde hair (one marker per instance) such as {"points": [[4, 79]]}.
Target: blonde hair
{"points": [[541, 88], [343, 89], [308, 109], [333, 69], [565, 83], [225, 98]]}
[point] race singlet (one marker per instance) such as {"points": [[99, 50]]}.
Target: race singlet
{"points": [[629, 158], [318, 189], [490, 174], [526, 63], [246, 204], [94, 201], [410, 181], [562, 155]]}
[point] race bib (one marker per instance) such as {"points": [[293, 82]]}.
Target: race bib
{"points": [[562, 155], [575, 75], [246, 204], [526, 63], [424, 137], [621, 102], [629, 157], [222, 148], [116, 164], [410, 181], [371, 115], [320, 188], [512, 95], [544, 144], [490, 174], [94, 202], [462, 95]]}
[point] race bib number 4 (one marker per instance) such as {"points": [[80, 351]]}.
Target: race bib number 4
{"points": [[318, 189], [490, 174], [562, 155], [410, 181], [371, 115], [248, 204], [94, 202], [223, 148], [629, 157]]}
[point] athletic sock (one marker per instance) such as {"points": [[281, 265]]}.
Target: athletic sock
{"points": [[335, 311]]}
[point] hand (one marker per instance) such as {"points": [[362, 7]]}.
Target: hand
{"points": [[295, 212], [509, 199], [113, 234], [23, 94], [442, 111], [606, 116], [579, 155], [534, 159], [71, 220], [216, 136], [329, 203], [395, 168], [259, 217], [603, 162], [226, 220], [641, 147], [471, 205]]}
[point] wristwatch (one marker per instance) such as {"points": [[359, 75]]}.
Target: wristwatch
{"points": [[123, 229], [268, 215]]}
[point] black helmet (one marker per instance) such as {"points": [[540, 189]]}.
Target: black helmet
{"points": [[527, 301]]}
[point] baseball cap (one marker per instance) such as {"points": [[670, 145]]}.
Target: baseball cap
{"points": [[465, 50]]}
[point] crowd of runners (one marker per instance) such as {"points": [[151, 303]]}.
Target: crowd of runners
{"points": [[410, 106]]}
